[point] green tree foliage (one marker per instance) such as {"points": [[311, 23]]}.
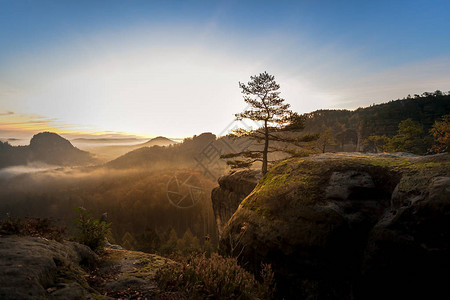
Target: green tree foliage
{"points": [[148, 241], [134, 199], [381, 119], [375, 143], [268, 108], [325, 139], [170, 245], [188, 243], [91, 231], [410, 138], [441, 135]]}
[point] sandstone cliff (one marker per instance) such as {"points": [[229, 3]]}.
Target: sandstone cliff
{"points": [[346, 226], [232, 189]]}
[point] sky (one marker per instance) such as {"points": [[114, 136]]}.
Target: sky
{"points": [[172, 68]]}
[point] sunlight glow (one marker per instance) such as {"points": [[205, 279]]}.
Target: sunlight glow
{"points": [[178, 79]]}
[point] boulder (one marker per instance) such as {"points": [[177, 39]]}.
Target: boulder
{"points": [[345, 226], [37, 268]]}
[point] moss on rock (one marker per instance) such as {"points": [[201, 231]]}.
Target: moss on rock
{"points": [[314, 239]]}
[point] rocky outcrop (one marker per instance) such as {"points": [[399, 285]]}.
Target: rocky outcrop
{"points": [[53, 149], [348, 226], [37, 268], [45, 147], [232, 189]]}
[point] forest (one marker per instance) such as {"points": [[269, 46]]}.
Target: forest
{"points": [[345, 130]]}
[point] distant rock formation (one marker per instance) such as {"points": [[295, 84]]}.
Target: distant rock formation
{"points": [[46, 147], [345, 226]]}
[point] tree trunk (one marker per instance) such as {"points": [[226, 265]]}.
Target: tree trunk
{"points": [[266, 148]]}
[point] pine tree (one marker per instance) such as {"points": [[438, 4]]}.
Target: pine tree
{"points": [[171, 244], [325, 139], [410, 138], [268, 108]]}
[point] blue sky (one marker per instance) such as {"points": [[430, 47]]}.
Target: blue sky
{"points": [[172, 67]]}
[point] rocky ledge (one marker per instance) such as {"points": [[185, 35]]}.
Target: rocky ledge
{"points": [[345, 226], [37, 268]]}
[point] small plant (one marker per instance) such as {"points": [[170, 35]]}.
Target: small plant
{"points": [[222, 278], [91, 232]]}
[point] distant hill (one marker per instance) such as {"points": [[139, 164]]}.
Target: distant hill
{"points": [[105, 140], [46, 147], [158, 141], [110, 149], [176, 154], [351, 128]]}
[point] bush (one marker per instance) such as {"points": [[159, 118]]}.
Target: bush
{"points": [[32, 227], [91, 232], [200, 278]]}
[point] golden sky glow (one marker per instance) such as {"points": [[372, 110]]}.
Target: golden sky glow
{"points": [[151, 70], [24, 126]]}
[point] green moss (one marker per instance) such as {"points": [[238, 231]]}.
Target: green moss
{"points": [[147, 267], [307, 177], [70, 274]]}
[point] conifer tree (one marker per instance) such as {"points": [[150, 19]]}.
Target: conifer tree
{"points": [[267, 108]]}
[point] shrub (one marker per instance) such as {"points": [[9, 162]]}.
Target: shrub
{"points": [[222, 278], [91, 232], [42, 227]]}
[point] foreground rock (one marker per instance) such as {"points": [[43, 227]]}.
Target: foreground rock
{"points": [[127, 274], [348, 226], [37, 268]]}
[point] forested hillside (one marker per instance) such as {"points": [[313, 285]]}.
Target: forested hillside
{"points": [[350, 128]]}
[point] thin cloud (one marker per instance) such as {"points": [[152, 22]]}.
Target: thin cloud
{"points": [[24, 126]]}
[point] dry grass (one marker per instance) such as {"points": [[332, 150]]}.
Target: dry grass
{"points": [[215, 277]]}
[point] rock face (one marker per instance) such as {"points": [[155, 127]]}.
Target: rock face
{"points": [[36, 268], [347, 226], [232, 189]]}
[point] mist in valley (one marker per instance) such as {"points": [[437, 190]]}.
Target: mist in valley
{"points": [[154, 189]]}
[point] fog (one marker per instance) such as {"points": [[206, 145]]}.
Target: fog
{"points": [[134, 198], [9, 172]]}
